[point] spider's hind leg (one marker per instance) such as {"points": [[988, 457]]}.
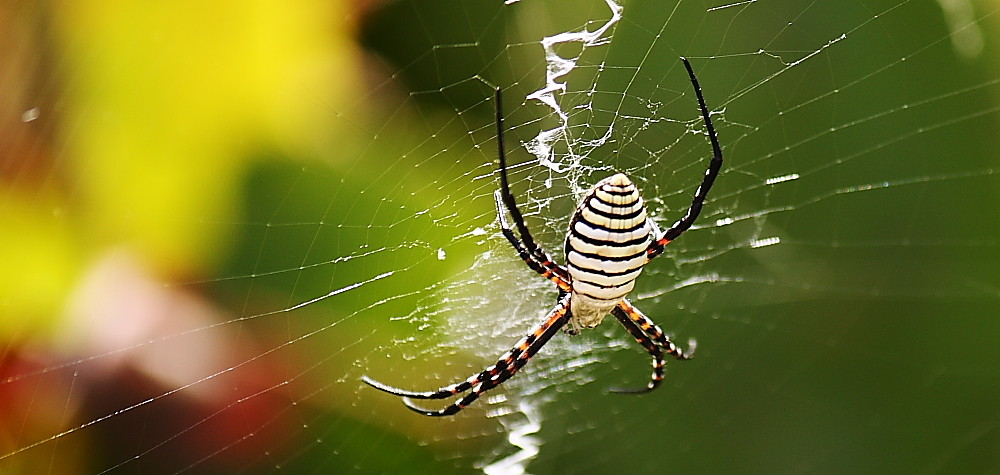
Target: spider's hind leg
{"points": [[652, 338], [655, 333], [651, 348], [442, 393], [505, 368]]}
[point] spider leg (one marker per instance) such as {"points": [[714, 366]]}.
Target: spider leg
{"points": [[442, 393], [652, 338], [681, 225], [655, 333], [651, 347], [548, 269], [505, 197], [511, 363], [448, 391], [445, 392]]}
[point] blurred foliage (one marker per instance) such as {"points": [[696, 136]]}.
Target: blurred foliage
{"points": [[169, 101], [156, 111]]}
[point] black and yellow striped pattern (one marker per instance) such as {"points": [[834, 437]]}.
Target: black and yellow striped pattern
{"points": [[606, 249]]}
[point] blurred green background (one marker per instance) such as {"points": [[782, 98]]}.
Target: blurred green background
{"points": [[214, 218]]}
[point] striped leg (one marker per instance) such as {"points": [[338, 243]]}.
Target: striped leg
{"points": [[540, 262], [511, 363], [442, 393], [655, 333], [489, 378], [503, 364], [650, 346], [526, 245], [681, 225]]}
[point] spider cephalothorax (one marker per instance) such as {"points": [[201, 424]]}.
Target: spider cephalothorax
{"points": [[609, 241]]}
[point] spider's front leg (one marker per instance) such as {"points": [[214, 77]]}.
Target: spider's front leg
{"points": [[529, 251], [714, 167], [542, 264]]}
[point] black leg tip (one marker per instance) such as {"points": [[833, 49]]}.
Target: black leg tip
{"points": [[448, 411], [642, 390]]}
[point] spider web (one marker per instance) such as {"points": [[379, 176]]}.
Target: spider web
{"points": [[199, 280]]}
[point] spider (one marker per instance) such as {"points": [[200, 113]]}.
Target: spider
{"points": [[610, 239]]}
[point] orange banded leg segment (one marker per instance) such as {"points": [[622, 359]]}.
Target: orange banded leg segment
{"points": [[656, 248], [539, 261], [503, 364], [651, 347], [442, 393], [511, 363], [655, 333]]}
